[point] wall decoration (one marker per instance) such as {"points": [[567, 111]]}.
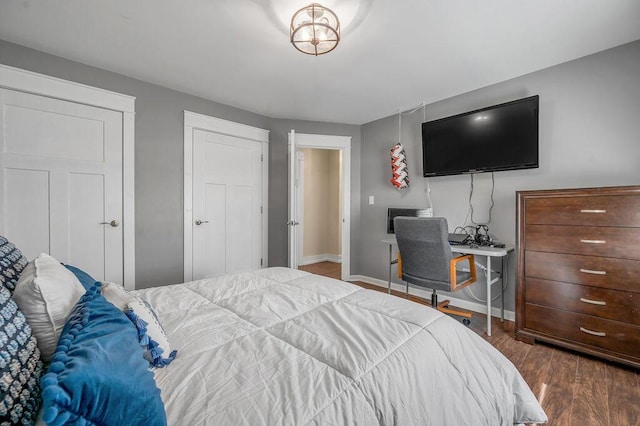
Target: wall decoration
{"points": [[400, 179]]}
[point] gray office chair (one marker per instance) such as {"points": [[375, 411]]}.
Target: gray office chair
{"points": [[425, 259]]}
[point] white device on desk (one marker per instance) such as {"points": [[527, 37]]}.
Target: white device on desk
{"points": [[487, 252]]}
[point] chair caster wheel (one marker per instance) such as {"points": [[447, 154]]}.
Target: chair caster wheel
{"points": [[466, 321]]}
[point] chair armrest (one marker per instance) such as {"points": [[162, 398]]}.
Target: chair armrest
{"points": [[453, 273]]}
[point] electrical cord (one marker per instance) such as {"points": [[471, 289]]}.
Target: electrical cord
{"points": [[464, 230], [504, 275], [428, 196], [470, 211], [429, 200], [423, 105], [493, 187]]}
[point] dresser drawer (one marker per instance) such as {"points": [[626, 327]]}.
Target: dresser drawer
{"points": [[612, 304], [606, 272], [623, 243], [587, 210], [588, 330]]}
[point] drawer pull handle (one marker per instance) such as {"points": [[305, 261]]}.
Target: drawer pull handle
{"points": [[593, 333], [593, 211], [593, 302], [591, 271], [593, 241]]}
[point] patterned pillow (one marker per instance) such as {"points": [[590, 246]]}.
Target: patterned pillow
{"points": [[20, 366], [12, 262], [151, 334]]}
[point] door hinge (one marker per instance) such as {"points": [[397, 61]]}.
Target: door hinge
{"points": [[262, 157], [260, 261], [261, 211]]}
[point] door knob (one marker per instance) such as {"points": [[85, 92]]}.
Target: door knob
{"points": [[113, 223], [200, 222]]}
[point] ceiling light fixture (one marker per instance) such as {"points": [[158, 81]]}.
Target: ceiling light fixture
{"points": [[315, 30]]}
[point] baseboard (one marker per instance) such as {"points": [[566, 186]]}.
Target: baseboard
{"points": [[308, 260], [426, 294]]}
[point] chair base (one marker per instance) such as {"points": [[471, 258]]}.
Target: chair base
{"points": [[444, 308]]}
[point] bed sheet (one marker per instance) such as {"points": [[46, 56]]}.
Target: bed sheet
{"points": [[284, 347]]}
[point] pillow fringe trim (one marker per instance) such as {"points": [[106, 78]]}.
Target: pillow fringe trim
{"points": [[151, 346]]}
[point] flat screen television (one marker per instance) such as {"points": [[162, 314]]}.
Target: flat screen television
{"points": [[500, 137]]}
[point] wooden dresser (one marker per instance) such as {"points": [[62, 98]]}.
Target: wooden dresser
{"points": [[579, 270]]}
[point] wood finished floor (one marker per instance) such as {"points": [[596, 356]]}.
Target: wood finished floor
{"points": [[574, 389]]}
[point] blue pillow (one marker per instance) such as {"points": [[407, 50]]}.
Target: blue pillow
{"points": [[98, 375], [85, 279]]}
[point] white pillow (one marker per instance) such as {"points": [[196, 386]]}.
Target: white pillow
{"points": [[152, 336], [46, 293], [117, 295]]}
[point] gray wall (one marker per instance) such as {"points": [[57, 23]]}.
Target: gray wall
{"points": [[589, 127], [159, 155], [588, 137], [159, 160]]}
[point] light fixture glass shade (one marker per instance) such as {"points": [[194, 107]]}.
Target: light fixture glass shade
{"points": [[315, 30]]}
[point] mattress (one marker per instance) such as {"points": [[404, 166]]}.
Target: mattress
{"points": [[284, 347]]}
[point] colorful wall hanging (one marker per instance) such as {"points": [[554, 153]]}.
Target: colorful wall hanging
{"points": [[400, 179]]}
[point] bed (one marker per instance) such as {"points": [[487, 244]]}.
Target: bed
{"points": [[281, 346], [274, 346]]}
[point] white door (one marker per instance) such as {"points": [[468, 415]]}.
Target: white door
{"points": [[227, 204], [61, 181], [293, 222]]}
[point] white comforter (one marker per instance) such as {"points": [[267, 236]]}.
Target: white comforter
{"points": [[284, 347]]}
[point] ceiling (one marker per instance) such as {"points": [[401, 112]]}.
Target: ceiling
{"points": [[394, 54]]}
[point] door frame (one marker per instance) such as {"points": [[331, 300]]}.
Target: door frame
{"points": [[343, 144], [43, 85], [300, 203], [193, 121]]}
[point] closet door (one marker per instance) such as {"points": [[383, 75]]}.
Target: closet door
{"points": [[61, 181], [227, 200]]}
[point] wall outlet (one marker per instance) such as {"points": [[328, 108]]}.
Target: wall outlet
{"points": [[371, 200]]}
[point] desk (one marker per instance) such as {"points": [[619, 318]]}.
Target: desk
{"points": [[488, 252]]}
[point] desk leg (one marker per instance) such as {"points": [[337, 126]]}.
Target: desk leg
{"points": [[502, 288], [390, 266], [488, 295]]}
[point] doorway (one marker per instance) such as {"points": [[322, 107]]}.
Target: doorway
{"points": [[342, 146], [320, 206]]}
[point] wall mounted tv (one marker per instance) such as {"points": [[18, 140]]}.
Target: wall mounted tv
{"points": [[500, 137]]}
